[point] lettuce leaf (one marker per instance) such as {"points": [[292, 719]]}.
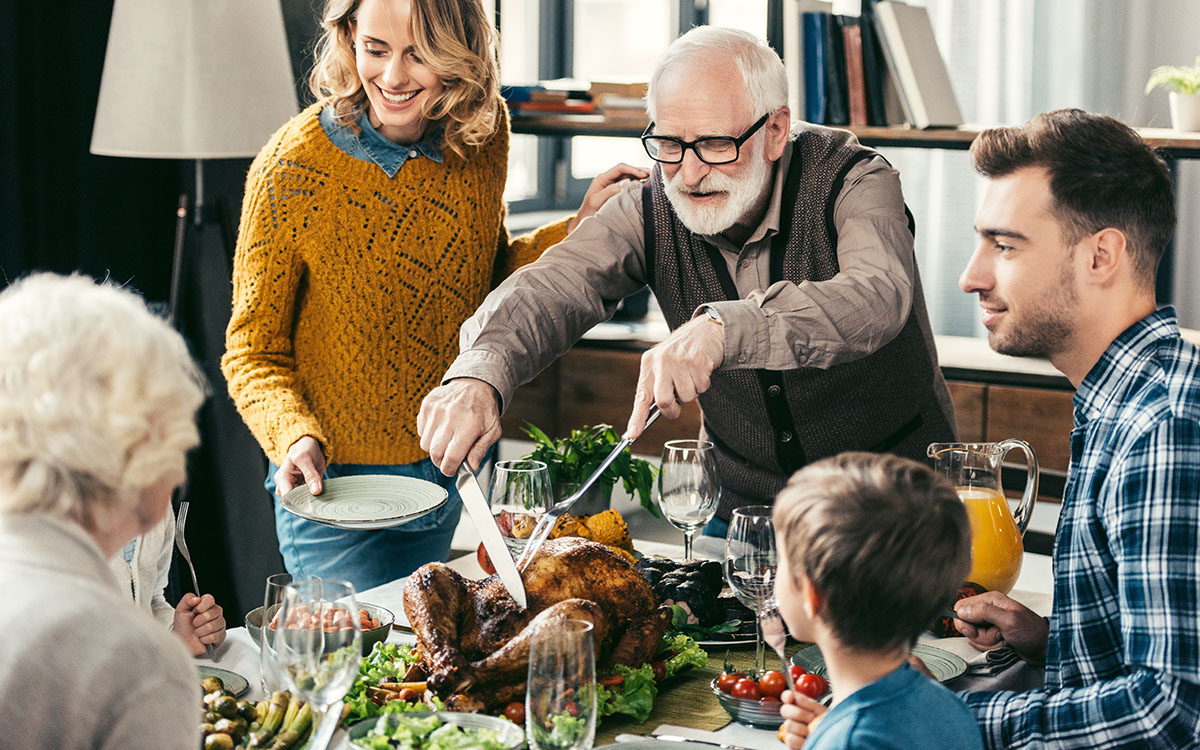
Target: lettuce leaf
{"points": [[635, 696], [686, 654]]}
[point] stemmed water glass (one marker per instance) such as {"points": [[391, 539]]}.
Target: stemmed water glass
{"points": [[268, 665], [750, 563], [318, 646], [560, 700], [688, 487], [520, 493]]}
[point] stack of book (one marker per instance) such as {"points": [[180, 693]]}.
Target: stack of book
{"points": [[616, 100], [867, 62]]}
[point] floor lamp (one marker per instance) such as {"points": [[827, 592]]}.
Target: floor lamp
{"points": [[192, 79]]}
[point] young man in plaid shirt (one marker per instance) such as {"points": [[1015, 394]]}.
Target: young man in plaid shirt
{"points": [[1077, 212]]}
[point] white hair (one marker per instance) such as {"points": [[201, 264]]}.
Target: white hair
{"points": [[763, 74], [98, 398]]}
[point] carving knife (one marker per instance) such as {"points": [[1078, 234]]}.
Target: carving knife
{"points": [[485, 524]]}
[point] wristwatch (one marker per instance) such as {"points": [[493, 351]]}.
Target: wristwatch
{"points": [[711, 312]]}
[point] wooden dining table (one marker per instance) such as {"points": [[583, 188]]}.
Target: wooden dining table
{"points": [[680, 708]]}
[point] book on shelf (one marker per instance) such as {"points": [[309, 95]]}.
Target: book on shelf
{"points": [[633, 88], [876, 79], [912, 55], [837, 102], [813, 34], [567, 106], [856, 87]]}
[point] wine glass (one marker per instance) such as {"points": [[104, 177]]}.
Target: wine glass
{"points": [[519, 495], [560, 700], [268, 664], [318, 646], [688, 489], [750, 562]]}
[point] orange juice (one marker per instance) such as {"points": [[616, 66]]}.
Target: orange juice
{"points": [[995, 540]]}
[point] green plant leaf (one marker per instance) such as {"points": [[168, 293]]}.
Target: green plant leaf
{"points": [[572, 459]]}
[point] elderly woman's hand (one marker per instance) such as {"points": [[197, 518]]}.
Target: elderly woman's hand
{"points": [[199, 620], [604, 186]]}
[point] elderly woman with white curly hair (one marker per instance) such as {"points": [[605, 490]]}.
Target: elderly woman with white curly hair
{"points": [[97, 410]]}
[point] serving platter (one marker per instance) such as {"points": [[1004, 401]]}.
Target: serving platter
{"points": [[366, 502], [234, 682], [942, 664]]}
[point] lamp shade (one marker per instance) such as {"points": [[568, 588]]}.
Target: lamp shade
{"points": [[193, 79]]}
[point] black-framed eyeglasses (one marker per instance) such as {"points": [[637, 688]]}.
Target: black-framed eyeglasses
{"points": [[721, 149]]}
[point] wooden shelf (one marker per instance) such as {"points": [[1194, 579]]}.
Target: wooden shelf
{"points": [[1176, 143]]}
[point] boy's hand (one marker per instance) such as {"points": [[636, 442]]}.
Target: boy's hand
{"points": [[199, 620], [992, 620], [801, 713]]}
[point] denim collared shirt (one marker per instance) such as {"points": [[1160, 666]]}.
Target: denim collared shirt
{"points": [[1123, 657], [372, 147]]}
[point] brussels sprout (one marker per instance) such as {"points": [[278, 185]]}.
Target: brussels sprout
{"points": [[226, 706], [218, 741], [212, 684]]}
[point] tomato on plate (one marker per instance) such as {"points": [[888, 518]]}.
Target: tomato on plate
{"points": [[747, 688], [772, 683], [515, 712], [812, 685], [797, 672], [727, 680]]}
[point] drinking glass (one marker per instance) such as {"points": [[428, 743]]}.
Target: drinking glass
{"points": [[268, 665], [519, 495], [750, 563], [318, 646], [688, 489], [560, 700]]}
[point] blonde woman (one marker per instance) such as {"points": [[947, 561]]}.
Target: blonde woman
{"points": [[373, 226], [97, 406]]}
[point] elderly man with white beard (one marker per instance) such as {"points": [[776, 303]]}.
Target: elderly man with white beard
{"points": [[782, 259]]}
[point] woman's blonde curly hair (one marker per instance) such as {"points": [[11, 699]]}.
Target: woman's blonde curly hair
{"points": [[98, 398], [454, 38]]}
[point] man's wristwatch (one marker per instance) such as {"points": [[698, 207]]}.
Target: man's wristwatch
{"points": [[711, 312]]}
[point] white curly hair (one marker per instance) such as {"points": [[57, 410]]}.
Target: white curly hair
{"points": [[763, 74], [98, 398]]}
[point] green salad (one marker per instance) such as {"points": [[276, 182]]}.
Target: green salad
{"points": [[428, 733], [385, 660], [635, 691]]}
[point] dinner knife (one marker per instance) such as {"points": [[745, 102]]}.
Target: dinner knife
{"points": [[485, 524], [542, 530], [675, 738]]}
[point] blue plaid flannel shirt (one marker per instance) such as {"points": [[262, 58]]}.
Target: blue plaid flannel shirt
{"points": [[1123, 659]]}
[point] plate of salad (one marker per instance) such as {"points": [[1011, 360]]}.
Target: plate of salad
{"points": [[437, 730]]}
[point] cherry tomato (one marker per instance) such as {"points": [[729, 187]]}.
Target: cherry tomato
{"points": [[812, 685], [485, 562], [772, 683], [727, 680], [769, 699], [572, 708], [515, 712], [660, 670], [797, 672], [747, 688]]}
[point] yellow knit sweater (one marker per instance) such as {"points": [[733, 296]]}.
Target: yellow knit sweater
{"points": [[349, 288]]}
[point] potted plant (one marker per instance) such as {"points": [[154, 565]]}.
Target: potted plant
{"points": [[572, 459], [1185, 96]]}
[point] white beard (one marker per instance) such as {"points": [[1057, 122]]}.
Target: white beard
{"points": [[741, 195]]}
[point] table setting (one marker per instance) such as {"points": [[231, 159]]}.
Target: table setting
{"points": [[726, 702]]}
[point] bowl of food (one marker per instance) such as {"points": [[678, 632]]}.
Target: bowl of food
{"points": [[376, 623], [420, 729], [751, 697]]}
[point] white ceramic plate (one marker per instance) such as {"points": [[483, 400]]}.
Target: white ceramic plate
{"points": [[509, 733], [943, 664], [371, 501]]}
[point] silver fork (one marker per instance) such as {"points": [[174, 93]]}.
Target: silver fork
{"points": [[775, 635], [181, 545]]}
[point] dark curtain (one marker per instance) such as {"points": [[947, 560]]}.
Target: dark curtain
{"points": [[63, 209]]}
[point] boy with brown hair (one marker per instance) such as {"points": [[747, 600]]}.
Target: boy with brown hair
{"points": [[872, 547]]}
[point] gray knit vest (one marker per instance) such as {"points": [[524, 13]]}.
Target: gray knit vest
{"points": [[767, 424]]}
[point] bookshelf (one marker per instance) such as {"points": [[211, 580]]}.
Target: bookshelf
{"points": [[1174, 143]]}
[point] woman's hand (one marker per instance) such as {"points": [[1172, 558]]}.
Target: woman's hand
{"points": [[604, 186], [199, 620], [800, 712], [304, 463]]}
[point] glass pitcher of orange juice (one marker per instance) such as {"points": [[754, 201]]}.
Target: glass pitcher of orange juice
{"points": [[974, 468]]}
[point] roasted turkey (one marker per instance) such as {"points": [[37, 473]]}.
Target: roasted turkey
{"points": [[474, 638]]}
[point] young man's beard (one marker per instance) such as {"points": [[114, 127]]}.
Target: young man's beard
{"points": [[741, 195]]}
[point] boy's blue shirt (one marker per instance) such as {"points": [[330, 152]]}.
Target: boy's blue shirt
{"points": [[901, 711]]}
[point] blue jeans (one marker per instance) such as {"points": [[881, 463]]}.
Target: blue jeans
{"points": [[367, 558], [716, 528]]}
